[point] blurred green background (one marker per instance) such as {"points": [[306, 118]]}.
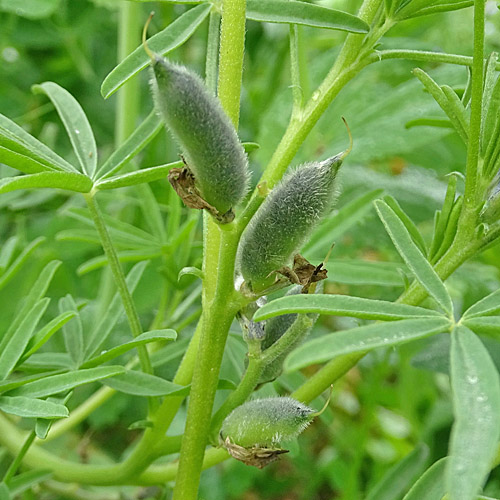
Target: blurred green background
{"points": [[394, 399]]}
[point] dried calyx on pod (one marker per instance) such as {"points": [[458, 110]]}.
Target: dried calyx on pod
{"points": [[284, 221], [252, 432], [215, 176]]}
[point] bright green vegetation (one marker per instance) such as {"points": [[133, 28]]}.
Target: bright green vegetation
{"points": [[121, 351]]}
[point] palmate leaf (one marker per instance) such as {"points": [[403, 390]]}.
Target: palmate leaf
{"points": [[75, 122], [293, 12], [413, 257], [363, 339], [174, 35], [476, 401], [341, 305]]}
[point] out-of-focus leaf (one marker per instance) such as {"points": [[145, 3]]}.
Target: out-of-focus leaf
{"points": [[26, 480], [72, 331], [476, 401], [31, 9], [488, 306], [171, 37], [17, 265], [43, 425], [358, 272], [399, 477], [334, 227], [14, 348]]}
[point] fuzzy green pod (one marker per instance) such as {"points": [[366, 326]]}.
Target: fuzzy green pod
{"points": [[285, 220], [210, 145], [266, 422]]}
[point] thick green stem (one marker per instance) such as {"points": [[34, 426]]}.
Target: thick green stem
{"points": [[232, 44], [217, 317], [471, 169], [116, 270]]}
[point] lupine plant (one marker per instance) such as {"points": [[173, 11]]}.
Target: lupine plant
{"points": [[264, 274]]}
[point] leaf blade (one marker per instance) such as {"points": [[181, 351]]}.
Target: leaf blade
{"points": [[174, 35], [293, 12], [413, 257], [30, 407], [362, 339], [476, 402], [341, 305], [75, 122]]}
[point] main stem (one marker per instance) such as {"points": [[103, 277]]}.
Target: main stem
{"points": [[220, 301]]}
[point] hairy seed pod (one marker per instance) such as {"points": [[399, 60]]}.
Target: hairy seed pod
{"points": [[285, 219], [491, 210], [266, 422], [208, 140]]}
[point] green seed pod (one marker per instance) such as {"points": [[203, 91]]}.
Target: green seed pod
{"points": [[210, 146], [266, 422], [285, 220]]}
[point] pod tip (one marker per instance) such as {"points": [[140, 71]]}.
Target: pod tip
{"points": [[144, 34]]}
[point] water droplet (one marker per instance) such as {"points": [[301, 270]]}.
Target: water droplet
{"points": [[482, 398], [315, 96], [77, 131], [472, 379]]}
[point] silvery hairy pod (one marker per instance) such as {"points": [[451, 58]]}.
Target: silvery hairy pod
{"points": [[284, 221], [253, 432], [216, 174]]}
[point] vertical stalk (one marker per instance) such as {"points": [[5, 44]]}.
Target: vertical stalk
{"points": [[9, 474], [232, 44], [298, 95], [129, 37], [119, 277], [220, 302], [471, 169], [212, 51]]}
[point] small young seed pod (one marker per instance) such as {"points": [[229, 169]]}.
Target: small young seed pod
{"points": [[491, 210], [285, 219], [266, 422], [210, 146]]}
